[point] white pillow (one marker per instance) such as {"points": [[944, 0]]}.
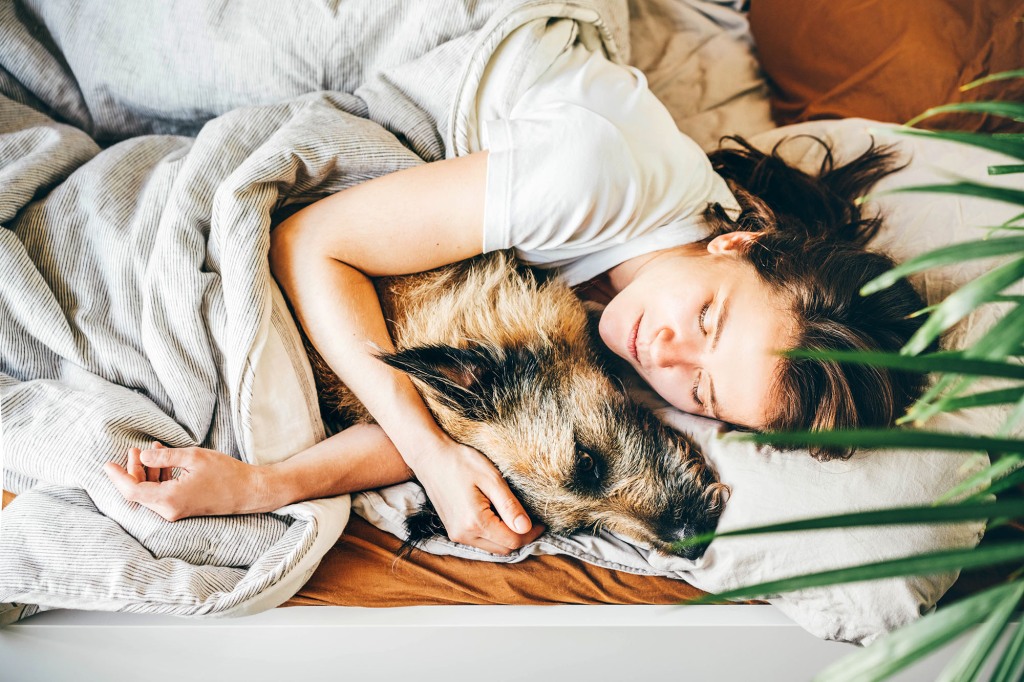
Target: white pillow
{"points": [[769, 486]]}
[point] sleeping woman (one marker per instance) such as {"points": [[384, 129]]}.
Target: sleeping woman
{"points": [[707, 268]]}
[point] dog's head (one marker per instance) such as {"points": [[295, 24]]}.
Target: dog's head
{"points": [[576, 451]]}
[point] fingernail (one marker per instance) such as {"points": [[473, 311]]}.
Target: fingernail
{"points": [[522, 524]]}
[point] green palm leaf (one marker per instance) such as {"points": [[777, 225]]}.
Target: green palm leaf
{"points": [[1011, 666], [1013, 220], [989, 473], [919, 564], [1002, 340], [968, 662], [983, 140], [957, 513], [985, 399], [962, 302], [927, 406], [1005, 483], [1011, 422], [911, 643], [974, 189], [997, 354], [1002, 75], [953, 363], [947, 386], [1006, 169], [957, 253], [1014, 110], [886, 438]]}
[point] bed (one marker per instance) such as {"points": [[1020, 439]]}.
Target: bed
{"points": [[719, 89]]}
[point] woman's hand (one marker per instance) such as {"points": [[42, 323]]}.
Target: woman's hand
{"points": [[209, 483], [474, 501]]}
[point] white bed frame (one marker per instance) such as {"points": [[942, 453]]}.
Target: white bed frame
{"points": [[421, 643]]}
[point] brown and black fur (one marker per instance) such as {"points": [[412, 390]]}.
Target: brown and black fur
{"points": [[507, 364]]}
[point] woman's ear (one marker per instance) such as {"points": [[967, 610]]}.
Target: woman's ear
{"points": [[732, 242]]}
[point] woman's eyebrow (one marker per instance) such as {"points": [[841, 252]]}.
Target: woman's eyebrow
{"points": [[722, 316], [712, 403]]}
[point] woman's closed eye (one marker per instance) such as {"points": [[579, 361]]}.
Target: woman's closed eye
{"points": [[701, 323], [702, 316]]}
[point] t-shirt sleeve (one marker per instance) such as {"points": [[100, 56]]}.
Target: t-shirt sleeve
{"points": [[560, 176]]}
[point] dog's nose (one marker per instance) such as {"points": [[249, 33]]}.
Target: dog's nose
{"points": [[681, 542]]}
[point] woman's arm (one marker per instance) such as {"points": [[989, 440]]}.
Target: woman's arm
{"points": [[323, 257], [211, 483]]}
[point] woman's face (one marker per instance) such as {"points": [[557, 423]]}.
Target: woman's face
{"points": [[701, 328]]}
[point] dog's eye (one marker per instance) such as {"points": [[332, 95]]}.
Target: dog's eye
{"points": [[587, 473], [584, 462]]}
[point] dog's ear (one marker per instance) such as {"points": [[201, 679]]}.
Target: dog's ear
{"points": [[462, 378]]}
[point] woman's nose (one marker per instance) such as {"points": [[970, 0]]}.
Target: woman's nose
{"points": [[673, 349]]}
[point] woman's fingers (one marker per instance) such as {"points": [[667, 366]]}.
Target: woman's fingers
{"points": [[165, 472], [508, 507], [488, 546], [117, 475], [131, 488], [145, 466], [161, 457], [495, 531], [535, 532], [153, 473], [510, 510], [505, 523], [153, 469], [135, 467], [155, 496]]}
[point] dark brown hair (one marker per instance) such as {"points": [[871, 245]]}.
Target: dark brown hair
{"points": [[811, 247]]}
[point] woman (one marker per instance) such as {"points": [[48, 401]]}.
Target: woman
{"points": [[707, 267]]}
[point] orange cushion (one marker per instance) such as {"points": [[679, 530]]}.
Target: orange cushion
{"points": [[886, 60]]}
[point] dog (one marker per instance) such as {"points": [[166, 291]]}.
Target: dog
{"points": [[507, 362]]}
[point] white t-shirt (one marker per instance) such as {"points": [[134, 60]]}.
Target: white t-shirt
{"points": [[586, 167]]}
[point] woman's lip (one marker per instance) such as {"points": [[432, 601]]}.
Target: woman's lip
{"points": [[631, 344]]}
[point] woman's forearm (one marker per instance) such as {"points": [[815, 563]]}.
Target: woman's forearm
{"points": [[323, 256], [211, 483], [338, 307], [359, 458]]}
